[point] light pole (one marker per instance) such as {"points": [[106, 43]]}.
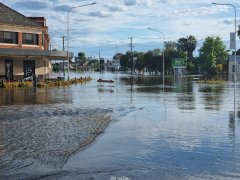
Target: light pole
{"points": [[68, 29], [235, 54], [163, 45], [163, 65]]}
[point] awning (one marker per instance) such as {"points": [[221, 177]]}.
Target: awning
{"points": [[50, 55]]}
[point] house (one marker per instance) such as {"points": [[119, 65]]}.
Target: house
{"points": [[24, 46]]}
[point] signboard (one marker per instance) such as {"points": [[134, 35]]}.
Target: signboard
{"points": [[179, 62], [232, 40]]}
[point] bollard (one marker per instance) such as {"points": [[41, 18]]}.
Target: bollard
{"points": [[35, 81]]}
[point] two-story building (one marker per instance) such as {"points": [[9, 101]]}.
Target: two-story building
{"points": [[24, 46]]}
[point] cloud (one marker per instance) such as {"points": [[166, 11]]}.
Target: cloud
{"points": [[228, 21], [100, 14], [125, 18], [138, 2], [130, 2], [115, 7], [32, 5], [169, 1], [199, 11], [187, 24], [63, 8]]}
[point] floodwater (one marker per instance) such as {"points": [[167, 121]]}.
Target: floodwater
{"points": [[181, 130]]}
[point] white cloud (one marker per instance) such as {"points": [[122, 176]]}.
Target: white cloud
{"points": [[201, 11], [138, 2], [115, 7], [100, 14], [114, 20]]}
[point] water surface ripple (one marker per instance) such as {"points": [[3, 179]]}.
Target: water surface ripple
{"points": [[181, 130]]}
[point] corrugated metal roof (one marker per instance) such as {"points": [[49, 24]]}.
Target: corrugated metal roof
{"points": [[12, 17]]}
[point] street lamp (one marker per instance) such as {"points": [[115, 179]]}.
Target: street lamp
{"points": [[68, 29], [163, 45], [235, 54], [163, 64]]}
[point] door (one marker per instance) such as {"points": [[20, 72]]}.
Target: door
{"points": [[9, 69], [29, 69]]}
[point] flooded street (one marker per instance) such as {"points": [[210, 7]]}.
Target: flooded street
{"points": [[143, 130]]}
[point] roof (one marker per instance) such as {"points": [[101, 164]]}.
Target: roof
{"points": [[12, 17], [50, 55]]}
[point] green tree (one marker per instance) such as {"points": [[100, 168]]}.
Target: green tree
{"points": [[170, 45], [82, 56], [188, 45], [212, 53], [125, 60], [139, 64], [153, 61], [170, 53]]}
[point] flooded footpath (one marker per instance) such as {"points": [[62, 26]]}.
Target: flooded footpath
{"points": [[135, 128]]}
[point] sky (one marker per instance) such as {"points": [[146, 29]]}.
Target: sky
{"points": [[106, 27]]}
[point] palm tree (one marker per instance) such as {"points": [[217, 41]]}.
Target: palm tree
{"points": [[187, 45]]}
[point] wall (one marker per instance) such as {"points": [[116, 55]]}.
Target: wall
{"points": [[42, 68]]}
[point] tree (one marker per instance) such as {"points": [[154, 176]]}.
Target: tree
{"points": [[153, 61], [139, 64], [170, 54], [170, 45], [187, 45], [211, 54], [125, 60], [82, 56]]}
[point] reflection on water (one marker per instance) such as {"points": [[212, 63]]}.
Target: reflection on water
{"points": [[13, 96], [180, 130]]}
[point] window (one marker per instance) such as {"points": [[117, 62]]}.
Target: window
{"points": [[8, 37], [31, 39]]}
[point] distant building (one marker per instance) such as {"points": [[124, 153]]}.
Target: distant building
{"points": [[24, 46], [116, 62], [232, 68], [102, 64], [109, 65]]}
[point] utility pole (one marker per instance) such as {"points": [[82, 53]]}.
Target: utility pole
{"points": [[63, 38], [116, 48], [131, 46], [100, 64], [91, 63]]}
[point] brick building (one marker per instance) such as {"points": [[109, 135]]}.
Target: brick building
{"points": [[24, 46]]}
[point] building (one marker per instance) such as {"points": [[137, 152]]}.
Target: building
{"points": [[232, 68], [24, 46]]}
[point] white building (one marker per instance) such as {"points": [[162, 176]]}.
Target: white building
{"points": [[231, 67]]}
